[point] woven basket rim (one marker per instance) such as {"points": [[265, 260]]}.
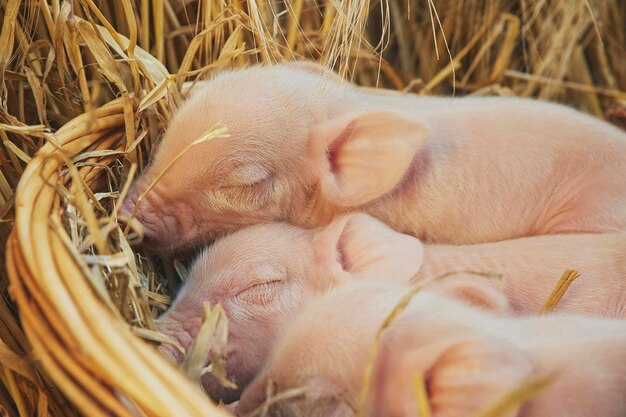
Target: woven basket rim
{"points": [[91, 354]]}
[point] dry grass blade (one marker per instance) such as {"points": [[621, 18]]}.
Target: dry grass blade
{"points": [[11, 147], [101, 52], [158, 337], [272, 398], [37, 131], [6, 39], [515, 398], [211, 338], [154, 70], [421, 395], [568, 277], [156, 94], [566, 84]]}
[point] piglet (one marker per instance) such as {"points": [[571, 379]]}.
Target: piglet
{"points": [[261, 275], [305, 147], [469, 358]]}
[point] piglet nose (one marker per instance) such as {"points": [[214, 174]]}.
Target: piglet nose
{"points": [[130, 202], [129, 219], [142, 213], [126, 208]]}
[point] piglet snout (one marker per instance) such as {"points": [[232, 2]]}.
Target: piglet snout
{"points": [[128, 205], [153, 212], [184, 331]]}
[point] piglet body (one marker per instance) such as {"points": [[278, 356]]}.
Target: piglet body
{"points": [[469, 359], [531, 267], [305, 147]]}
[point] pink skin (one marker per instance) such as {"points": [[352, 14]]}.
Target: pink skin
{"points": [[261, 275], [532, 266], [469, 357], [297, 264], [306, 147]]}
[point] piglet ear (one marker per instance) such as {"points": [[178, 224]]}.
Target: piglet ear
{"points": [[472, 375], [360, 246], [363, 156], [460, 379], [475, 291]]}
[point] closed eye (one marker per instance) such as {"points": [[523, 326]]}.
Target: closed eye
{"points": [[262, 293], [260, 285], [248, 196], [247, 184], [246, 176]]}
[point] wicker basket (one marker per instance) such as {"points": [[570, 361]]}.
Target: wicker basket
{"points": [[88, 352]]}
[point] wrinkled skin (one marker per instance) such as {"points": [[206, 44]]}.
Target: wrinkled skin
{"points": [[306, 147], [469, 358], [263, 274]]}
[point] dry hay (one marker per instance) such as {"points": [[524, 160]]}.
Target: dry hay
{"points": [[85, 90]]}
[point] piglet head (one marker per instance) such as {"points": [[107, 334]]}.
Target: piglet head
{"points": [[258, 280], [263, 274], [249, 175], [319, 363], [298, 149]]}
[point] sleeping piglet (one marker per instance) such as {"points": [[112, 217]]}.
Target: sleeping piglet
{"points": [[263, 274], [305, 147], [468, 358]]}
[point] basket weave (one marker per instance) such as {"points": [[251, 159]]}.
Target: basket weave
{"points": [[88, 352]]}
